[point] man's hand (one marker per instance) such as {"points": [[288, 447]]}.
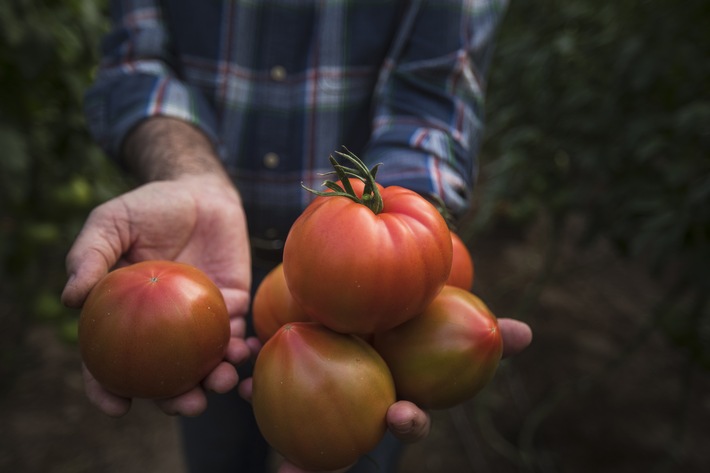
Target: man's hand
{"points": [[188, 211], [196, 220]]}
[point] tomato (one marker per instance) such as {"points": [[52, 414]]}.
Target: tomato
{"points": [[447, 354], [274, 305], [462, 269], [320, 397], [153, 330], [359, 270]]}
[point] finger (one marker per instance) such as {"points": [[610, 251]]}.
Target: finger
{"points": [[407, 422], [238, 327], [245, 389], [190, 404], [237, 351], [108, 403], [237, 301], [95, 251], [254, 345], [516, 335], [222, 379]]}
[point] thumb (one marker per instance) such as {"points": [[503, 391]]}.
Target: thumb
{"points": [[407, 422], [95, 251]]}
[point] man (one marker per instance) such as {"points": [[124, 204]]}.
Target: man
{"points": [[222, 109]]}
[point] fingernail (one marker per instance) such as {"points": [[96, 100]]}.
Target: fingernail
{"points": [[404, 427]]}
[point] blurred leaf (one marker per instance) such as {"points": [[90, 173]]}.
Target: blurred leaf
{"points": [[47, 306], [51, 172], [75, 193], [41, 233], [69, 330], [15, 165]]}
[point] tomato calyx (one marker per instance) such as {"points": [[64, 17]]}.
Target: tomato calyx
{"points": [[371, 197]]}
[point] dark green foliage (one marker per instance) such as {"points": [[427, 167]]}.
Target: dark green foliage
{"points": [[51, 174], [602, 109]]}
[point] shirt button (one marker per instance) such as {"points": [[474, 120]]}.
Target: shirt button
{"points": [[278, 73], [271, 160]]}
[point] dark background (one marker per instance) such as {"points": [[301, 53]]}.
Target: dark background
{"points": [[592, 223]]}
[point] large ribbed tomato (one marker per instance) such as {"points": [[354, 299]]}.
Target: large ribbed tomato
{"points": [[153, 330], [368, 261], [447, 354], [274, 305], [462, 270], [320, 397]]}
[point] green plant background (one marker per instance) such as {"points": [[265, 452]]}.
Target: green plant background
{"points": [[51, 174], [602, 110]]}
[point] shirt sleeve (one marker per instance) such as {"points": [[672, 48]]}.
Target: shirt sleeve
{"points": [[428, 120], [137, 79]]}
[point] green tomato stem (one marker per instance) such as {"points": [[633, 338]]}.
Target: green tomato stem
{"points": [[371, 197]]}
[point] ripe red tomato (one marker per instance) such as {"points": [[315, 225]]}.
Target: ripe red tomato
{"points": [[274, 305], [320, 397], [447, 354], [153, 330], [357, 271], [462, 269]]}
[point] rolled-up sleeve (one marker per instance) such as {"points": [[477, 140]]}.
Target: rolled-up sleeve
{"points": [[137, 79], [428, 122]]}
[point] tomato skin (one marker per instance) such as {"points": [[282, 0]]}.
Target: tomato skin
{"points": [[274, 306], [462, 267], [447, 354], [360, 272], [320, 397], [153, 330]]}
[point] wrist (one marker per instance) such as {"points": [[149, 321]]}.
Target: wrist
{"points": [[164, 148]]}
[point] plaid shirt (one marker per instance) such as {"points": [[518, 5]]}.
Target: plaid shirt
{"points": [[279, 85]]}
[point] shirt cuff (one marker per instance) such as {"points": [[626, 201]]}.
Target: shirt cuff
{"points": [[114, 106]]}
